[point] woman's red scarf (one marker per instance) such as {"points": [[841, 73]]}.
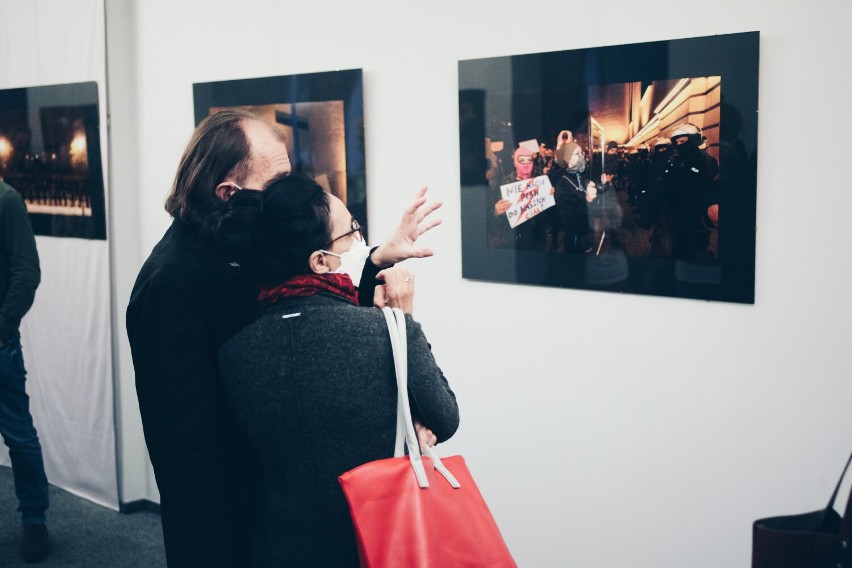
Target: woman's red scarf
{"points": [[309, 284]]}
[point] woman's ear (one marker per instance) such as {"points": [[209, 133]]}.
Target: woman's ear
{"points": [[318, 263]]}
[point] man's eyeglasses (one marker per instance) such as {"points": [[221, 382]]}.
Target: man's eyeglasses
{"points": [[354, 230]]}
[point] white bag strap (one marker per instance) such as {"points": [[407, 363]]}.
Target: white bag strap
{"points": [[399, 444], [401, 431], [441, 468], [399, 346], [405, 434]]}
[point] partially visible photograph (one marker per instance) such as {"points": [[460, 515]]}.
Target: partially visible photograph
{"points": [[626, 168], [50, 154], [320, 117], [314, 136]]}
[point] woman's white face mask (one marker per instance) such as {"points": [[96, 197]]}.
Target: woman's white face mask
{"points": [[352, 261]]}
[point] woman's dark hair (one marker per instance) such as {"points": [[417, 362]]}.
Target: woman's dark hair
{"points": [[273, 233], [218, 149]]}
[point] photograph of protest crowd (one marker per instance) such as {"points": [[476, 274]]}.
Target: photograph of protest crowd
{"points": [[50, 154], [321, 119], [624, 179], [627, 168]]}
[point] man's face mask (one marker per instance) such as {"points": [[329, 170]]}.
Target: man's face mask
{"points": [[686, 143]]}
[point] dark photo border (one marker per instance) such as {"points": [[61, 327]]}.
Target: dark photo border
{"points": [[535, 91], [345, 85], [82, 97]]}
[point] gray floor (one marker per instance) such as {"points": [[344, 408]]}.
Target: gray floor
{"points": [[83, 534]]}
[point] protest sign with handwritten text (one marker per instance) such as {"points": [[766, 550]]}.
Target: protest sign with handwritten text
{"points": [[529, 197]]}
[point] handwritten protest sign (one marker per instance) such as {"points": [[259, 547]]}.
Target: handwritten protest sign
{"points": [[529, 197]]}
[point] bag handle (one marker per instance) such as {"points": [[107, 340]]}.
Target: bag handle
{"points": [[405, 433], [846, 526], [403, 410]]}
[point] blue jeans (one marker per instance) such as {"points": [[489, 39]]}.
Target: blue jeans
{"points": [[16, 427]]}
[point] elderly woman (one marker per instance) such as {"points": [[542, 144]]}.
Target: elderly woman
{"points": [[312, 380]]}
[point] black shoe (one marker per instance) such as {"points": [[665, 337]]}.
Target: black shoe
{"points": [[35, 544]]}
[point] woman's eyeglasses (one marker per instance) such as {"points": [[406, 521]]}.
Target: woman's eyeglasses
{"points": [[355, 230]]}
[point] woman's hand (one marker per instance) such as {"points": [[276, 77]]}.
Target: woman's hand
{"points": [[400, 245], [502, 206], [397, 290], [424, 436]]}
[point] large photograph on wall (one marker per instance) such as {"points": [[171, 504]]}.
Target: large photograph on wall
{"points": [[321, 116], [627, 168], [50, 153]]}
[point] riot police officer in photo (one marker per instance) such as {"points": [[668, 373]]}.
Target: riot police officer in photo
{"points": [[640, 175], [690, 191]]}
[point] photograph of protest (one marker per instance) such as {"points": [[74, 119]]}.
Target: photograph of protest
{"points": [[626, 168], [50, 154], [321, 119]]}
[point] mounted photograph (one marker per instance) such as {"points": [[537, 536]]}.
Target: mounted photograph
{"points": [[626, 168], [50, 154]]}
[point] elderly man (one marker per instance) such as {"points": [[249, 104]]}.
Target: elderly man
{"points": [[188, 299]]}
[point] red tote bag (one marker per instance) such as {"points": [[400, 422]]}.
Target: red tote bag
{"points": [[419, 511]]}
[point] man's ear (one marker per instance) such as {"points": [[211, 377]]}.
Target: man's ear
{"points": [[225, 190], [318, 263]]}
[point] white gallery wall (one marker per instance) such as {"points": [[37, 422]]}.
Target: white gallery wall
{"points": [[67, 334], [604, 429]]}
